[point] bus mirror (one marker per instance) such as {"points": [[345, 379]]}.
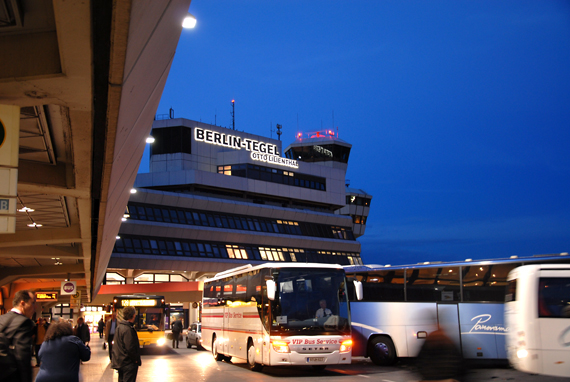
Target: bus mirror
{"points": [[358, 289], [270, 289]]}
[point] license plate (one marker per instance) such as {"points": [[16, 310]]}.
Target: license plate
{"points": [[316, 359]]}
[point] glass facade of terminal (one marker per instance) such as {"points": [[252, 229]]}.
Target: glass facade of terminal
{"points": [[273, 175], [160, 246], [167, 214]]}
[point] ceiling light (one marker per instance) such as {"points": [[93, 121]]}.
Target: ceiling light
{"points": [[34, 225], [26, 209], [189, 21], [124, 219], [150, 140], [133, 191], [117, 237]]}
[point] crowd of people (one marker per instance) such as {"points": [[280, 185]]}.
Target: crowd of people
{"points": [[58, 347]]}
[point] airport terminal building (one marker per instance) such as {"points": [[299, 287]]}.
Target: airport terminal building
{"points": [[216, 198]]}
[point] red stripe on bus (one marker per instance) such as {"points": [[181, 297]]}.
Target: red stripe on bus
{"points": [[234, 331]]}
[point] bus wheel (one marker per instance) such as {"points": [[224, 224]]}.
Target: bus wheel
{"points": [[217, 356], [381, 351], [251, 358]]}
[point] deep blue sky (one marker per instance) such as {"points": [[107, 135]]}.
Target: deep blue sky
{"points": [[458, 111]]}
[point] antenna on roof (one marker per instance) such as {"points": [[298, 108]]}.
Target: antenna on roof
{"points": [[233, 114], [279, 132]]}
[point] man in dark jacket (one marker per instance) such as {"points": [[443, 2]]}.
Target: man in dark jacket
{"points": [[82, 331], [176, 330], [19, 328], [110, 328], [126, 352], [101, 327]]}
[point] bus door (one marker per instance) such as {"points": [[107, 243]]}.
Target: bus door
{"points": [[266, 324], [482, 330], [448, 320]]}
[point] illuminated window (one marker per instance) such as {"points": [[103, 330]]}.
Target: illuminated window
{"points": [[113, 278]]}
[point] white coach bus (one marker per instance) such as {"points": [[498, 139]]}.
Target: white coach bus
{"points": [[278, 314], [537, 311], [402, 304]]}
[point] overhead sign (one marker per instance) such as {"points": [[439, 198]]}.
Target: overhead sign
{"points": [[260, 151], [9, 149], [68, 288], [46, 296], [138, 303]]}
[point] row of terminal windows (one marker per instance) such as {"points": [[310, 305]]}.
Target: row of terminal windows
{"points": [[113, 278], [357, 219], [208, 219], [188, 248], [357, 200], [460, 283], [274, 175]]}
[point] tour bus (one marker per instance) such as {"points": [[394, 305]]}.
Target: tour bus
{"points": [[537, 312], [149, 321], [278, 314], [401, 305]]}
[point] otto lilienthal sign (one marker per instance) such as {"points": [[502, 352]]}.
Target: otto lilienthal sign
{"points": [[9, 133]]}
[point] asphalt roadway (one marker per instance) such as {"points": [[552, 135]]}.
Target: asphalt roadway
{"points": [[193, 365]]}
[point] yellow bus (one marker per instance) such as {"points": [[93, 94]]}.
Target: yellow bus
{"points": [[149, 321]]}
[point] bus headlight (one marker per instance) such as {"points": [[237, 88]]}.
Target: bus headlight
{"points": [[161, 341], [346, 346], [522, 353], [280, 346]]}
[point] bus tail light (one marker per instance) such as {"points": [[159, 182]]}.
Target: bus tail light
{"points": [[346, 346], [280, 346]]}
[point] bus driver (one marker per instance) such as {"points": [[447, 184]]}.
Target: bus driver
{"points": [[323, 311]]}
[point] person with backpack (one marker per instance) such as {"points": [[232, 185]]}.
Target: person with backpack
{"points": [[17, 331]]}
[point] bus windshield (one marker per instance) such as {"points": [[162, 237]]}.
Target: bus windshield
{"points": [[149, 319], [149, 311], [310, 300]]}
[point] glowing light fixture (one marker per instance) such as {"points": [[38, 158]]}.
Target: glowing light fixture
{"points": [[133, 191], [26, 209], [34, 224], [150, 140], [189, 21]]}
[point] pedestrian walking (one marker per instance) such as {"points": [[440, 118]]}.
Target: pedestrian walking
{"points": [[101, 327], [61, 354], [18, 328], [126, 350], [176, 330], [41, 329], [110, 328], [82, 331]]}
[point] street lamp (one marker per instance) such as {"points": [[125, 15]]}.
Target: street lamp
{"points": [[189, 21]]}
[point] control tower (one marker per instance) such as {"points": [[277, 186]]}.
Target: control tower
{"points": [[327, 149]]}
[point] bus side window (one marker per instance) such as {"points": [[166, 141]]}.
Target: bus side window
{"points": [[511, 292]]}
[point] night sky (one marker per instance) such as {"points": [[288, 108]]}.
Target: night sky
{"points": [[458, 111]]}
